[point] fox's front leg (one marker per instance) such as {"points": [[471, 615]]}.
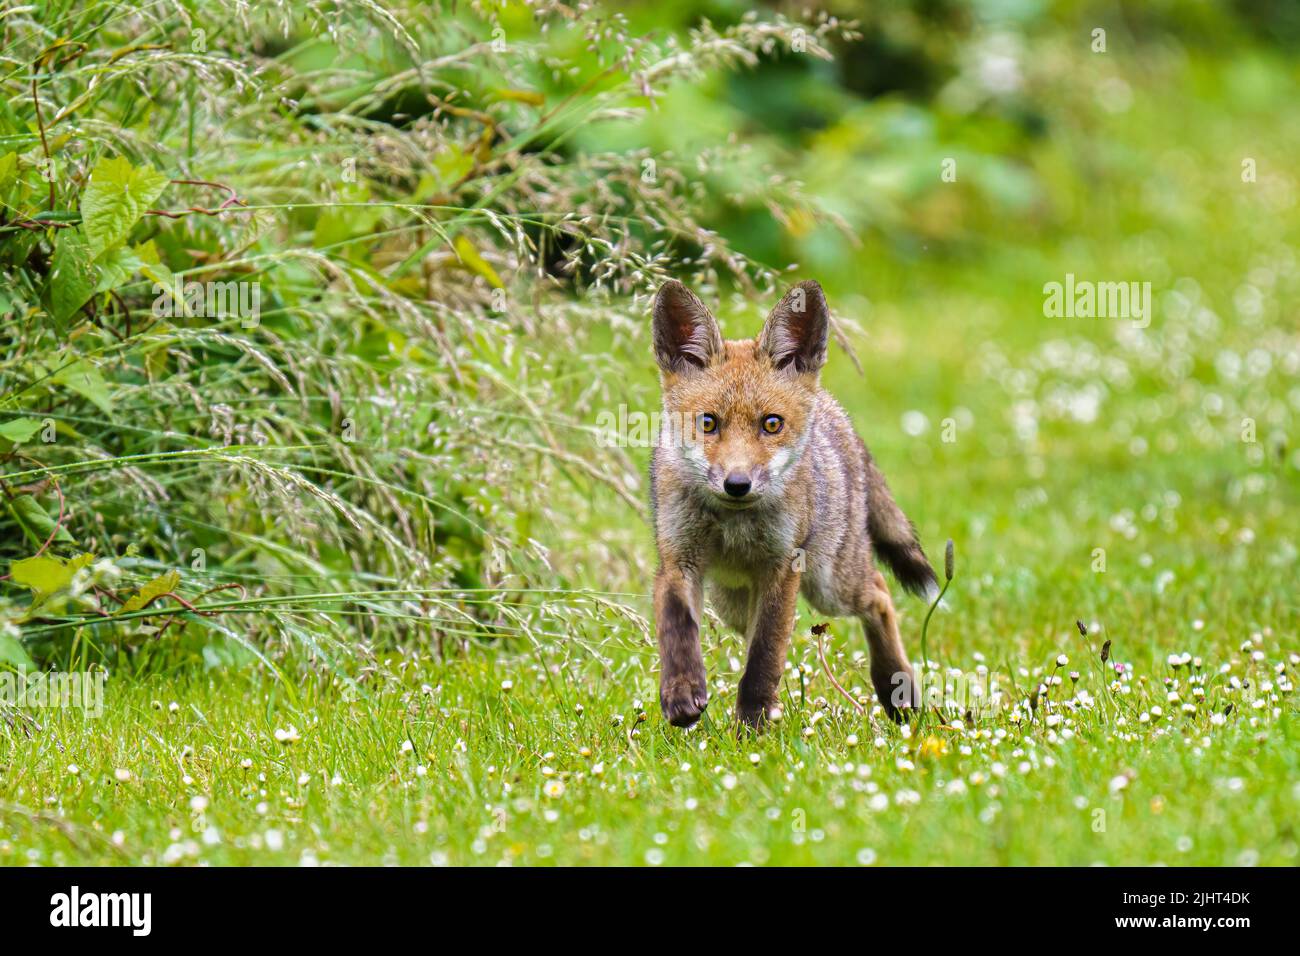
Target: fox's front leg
{"points": [[683, 682], [771, 623]]}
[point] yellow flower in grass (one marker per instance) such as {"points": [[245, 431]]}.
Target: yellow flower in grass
{"points": [[932, 747]]}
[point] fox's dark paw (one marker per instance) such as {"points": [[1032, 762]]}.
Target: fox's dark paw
{"points": [[897, 692], [899, 715], [683, 699], [757, 714]]}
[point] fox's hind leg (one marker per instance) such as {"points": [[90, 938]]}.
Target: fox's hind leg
{"points": [[891, 674]]}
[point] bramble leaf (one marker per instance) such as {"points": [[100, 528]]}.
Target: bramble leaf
{"points": [[8, 172], [72, 275], [116, 266], [159, 585], [117, 196], [152, 266], [19, 430], [84, 379], [37, 521], [13, 653], [46, 575]]}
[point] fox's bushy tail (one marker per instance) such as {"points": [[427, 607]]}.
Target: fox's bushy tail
{"points": [[894, 538]]}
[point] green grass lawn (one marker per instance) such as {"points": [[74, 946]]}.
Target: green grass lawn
{"points": [[543, 759]]}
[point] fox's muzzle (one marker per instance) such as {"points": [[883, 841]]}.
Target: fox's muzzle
{"points": [[737, 484]]}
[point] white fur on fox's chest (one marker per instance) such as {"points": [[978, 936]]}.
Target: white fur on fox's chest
{"points": [[747, 545]]}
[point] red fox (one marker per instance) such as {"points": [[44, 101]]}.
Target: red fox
{"points": [[766, 492]]}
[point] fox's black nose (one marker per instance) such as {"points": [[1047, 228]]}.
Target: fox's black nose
{"points": [[736, 484]]}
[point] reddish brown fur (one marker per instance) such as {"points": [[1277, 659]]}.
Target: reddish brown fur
{"points": [[765, 516]]}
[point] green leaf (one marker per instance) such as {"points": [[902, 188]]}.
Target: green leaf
{"points": [[337, 224], [47, 575], [531, 97], [116, 197], [162, 584], [19, 430], [116, 266], [155, 361], [84, 379], [13, 653], [37, 521], [471, 259], [8, 173], [451, 164], [72, 276], [152, 266]]}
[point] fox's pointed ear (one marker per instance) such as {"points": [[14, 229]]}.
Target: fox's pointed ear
{"points": [[686, 334], [796, 332]]}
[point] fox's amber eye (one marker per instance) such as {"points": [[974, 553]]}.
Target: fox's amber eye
{"points": [[772, 424], [707, 423]]}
